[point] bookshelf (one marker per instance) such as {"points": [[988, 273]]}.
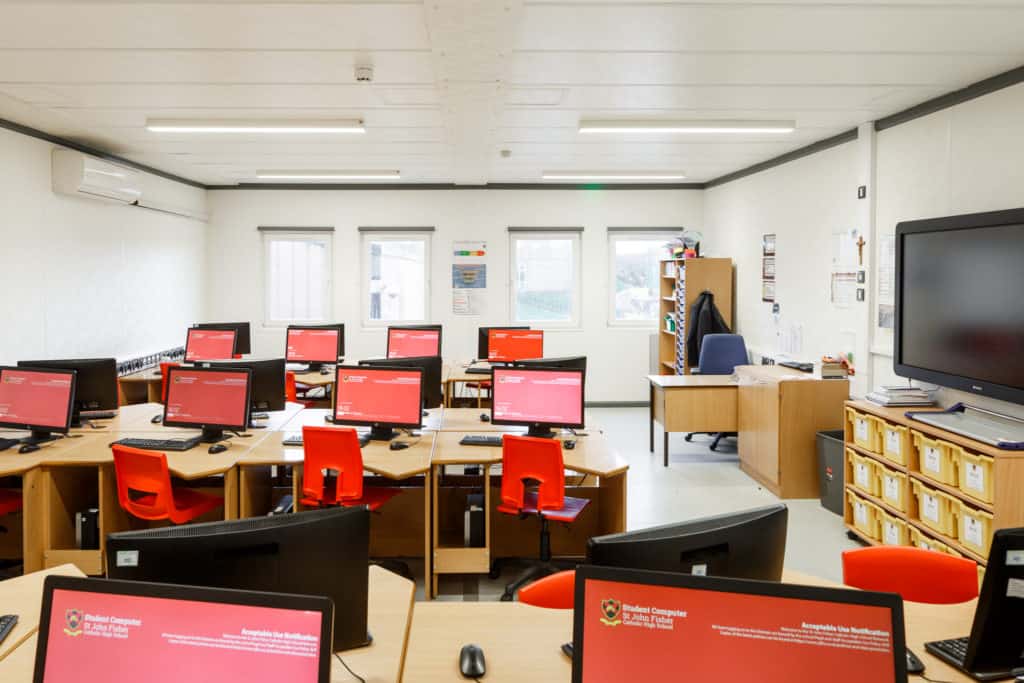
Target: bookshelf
{"points": [[682, 281]]}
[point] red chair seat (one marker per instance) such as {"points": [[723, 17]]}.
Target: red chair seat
{"points": [[568, 513], [144, 488], [195, 502], [373, 498], [10, 501], [916, 574], [557, 591]]}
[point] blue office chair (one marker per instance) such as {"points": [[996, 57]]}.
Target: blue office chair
{"points": [[719, 355]]}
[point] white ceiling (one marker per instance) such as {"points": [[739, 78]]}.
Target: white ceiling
{"points": [[457, 81]]}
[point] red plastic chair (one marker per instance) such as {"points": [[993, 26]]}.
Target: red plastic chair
{"points": [[10, 501], [291, 390], [916, 574], [164, 367], [337, 449], [540, 460], [557, 591], [144, 488]]}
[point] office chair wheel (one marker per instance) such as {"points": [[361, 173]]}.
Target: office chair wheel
{"points": [[506, 597], [494, 574], [713, 447], [689, 437]]}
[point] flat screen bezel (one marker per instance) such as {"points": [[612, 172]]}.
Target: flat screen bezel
{"points": [[196, 425], [495, 373], [366, 423], [59, 429], [340, 327]]}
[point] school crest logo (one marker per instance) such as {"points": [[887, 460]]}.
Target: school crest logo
{"points": [[611, 609], [73, 622]]}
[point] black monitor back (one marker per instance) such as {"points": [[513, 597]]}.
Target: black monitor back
{"points": [[483, 341], [745, 545], [565, 363], [324, 552], [432, 371], [997, 639], [96, 387], [267, 381], [243, 340]]}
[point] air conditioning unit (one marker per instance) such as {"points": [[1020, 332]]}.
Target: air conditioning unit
{"points": [[77, 174]]}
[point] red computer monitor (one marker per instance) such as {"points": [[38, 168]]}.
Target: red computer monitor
{"points": [[508, 346], [636, 625], [207, 344], [127, 631], [315, 343], [211, 399], [414, 341], [538, 398], [381, 398], [37, 399]]}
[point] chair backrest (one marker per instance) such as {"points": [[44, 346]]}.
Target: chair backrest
{"points": [[918, 575], [332, 448], [557, 591], [291, 393], [721, 353], [525, 457], [143, 482], [164, 367]]}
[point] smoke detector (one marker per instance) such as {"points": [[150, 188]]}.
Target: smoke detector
{"points": [[364, 73]]}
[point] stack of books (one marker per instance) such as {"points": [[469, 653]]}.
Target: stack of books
{"points": [[901, 396]]}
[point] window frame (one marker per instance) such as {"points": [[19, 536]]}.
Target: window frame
{"points": [[575, 320], [365, 239], [270, 236], [613, 237]]}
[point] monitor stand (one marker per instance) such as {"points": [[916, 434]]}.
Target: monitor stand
{"points": [[40, 436], [378, 433], [540, 432], [213, 435]]}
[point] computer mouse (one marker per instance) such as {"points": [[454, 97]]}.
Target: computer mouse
{"points": [[325, 371], [471, 661], [484, 417], [216, 448], [398, 445], [914, 665], [157, 419], [569, 444], [28, 448]]}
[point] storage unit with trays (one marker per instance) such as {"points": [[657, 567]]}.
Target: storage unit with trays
{"points": [[949, 493]]}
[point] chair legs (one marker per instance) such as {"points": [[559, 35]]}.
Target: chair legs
{"points": [[719, 437], [538, 569]]}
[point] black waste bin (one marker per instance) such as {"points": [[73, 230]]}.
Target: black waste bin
{"points": [[831, 472]]}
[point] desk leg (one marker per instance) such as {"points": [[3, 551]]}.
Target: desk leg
{"points": [[430, 578], [612, 505], [231, 494], [652, 416], [33, 524], [666, 447]]}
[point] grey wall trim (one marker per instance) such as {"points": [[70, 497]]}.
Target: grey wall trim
{"points": [[295, 228], [92, 151], [813, 148], [545, 228], [677, 228], [453, 186], [971, 92], [401, 228], [617, 404]]}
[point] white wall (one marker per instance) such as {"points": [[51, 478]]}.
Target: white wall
{"points": [[87, 278], [618, 357]]}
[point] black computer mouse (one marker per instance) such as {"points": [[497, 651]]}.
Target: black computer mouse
{"points": [[216, 448], [569, 444], [471, 661], [398, 445], [484, 417], [325, 371], [157, 419], [914, 665], [28, 448]]}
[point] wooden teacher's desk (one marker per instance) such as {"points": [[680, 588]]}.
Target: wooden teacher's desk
{"points": [[692, 403]]}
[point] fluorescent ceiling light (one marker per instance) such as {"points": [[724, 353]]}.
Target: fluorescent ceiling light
{"points": [[687, 127], [328, 175], [245, 126], [612, 175]]}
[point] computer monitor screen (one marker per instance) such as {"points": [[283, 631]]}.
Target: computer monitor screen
{"points": [[414, 341], [209, 344], [323, 552], [208, 399], [36, 399], [243, 343], [96, 383], [432, 366], [506, 346], [739, 545], [636, 625], [124, 632], [538, 398], [484, 337], [382, 398], [315, 343], [267, 381]]}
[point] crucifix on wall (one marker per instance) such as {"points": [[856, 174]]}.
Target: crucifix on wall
{"points": [[860, 249]]}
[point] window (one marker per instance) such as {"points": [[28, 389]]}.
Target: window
{"points": [[635, 276], [545, 278], [395, 271], [298, 277]]}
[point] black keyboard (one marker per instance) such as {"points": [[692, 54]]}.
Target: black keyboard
{"points": [[480, 440], [794, 365], [295, 439], [7, 624], [160, 444], [8, 443], [478, 371]]}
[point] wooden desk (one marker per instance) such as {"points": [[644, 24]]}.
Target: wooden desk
{"points": [[140, 387], [388, 617], [692, 403], [24, 596], [523, 643], [455, 374], [317, 417], [605, 484]]}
